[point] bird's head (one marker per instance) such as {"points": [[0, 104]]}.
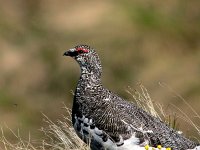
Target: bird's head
{"points": [[86, 57]]}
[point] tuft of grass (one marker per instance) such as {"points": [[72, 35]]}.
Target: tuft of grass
{"points": [[20, 145], [144, 101], [57, 136], [61, 135], [181, 114]]}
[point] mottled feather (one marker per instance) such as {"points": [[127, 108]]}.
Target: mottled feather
{"points": [[110, 121]]}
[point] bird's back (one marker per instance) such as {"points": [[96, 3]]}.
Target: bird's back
{"points": [[119, 120]]}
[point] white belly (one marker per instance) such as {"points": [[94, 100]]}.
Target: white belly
{"points": [[95, 136]]}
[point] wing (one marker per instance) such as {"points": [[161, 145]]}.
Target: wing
{"points": [[117, 118]]}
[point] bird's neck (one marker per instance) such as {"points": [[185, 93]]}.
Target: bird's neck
{"points": [[91, 72], [89, 81], [90, 78]]}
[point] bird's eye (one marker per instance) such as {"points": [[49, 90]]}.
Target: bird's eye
{"points": [[80, 51]]}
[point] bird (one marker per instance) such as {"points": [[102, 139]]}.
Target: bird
{"points": [[106, 121]]}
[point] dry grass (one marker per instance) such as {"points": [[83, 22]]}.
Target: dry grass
{"points": [[61, 135], [57, 136], [20, 145], [143, 100]]}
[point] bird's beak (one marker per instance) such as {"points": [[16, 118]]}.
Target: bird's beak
{"points": [[66, 53], [71, 52]]}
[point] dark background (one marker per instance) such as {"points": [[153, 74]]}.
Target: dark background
{"points": [[146, 41]]}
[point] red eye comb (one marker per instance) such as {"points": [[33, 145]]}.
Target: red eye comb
{"points": [[82, 49]]}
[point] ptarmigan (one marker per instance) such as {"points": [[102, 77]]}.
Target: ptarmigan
{"points": [[107, 121]]}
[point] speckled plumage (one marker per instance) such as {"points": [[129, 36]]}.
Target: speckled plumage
{"points": [[109, 122]]}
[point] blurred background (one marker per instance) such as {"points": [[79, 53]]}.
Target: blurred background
{"points": [[145, 41]]}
